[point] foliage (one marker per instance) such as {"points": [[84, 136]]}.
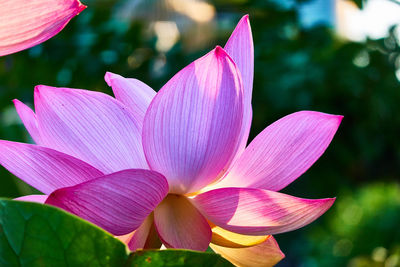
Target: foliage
{"points": [[149, 258], [33, 234]]}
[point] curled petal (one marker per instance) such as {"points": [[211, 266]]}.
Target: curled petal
{"points": [[140, 235], [240, 47], [225, 238], [24, 24], [145, 237], [180, 225], [44, 168], [252, 211], [283, 151], [33, 198], [118, 202], [91, 126], [28, 118], [265, 254], [135, 94], [191, 129]]}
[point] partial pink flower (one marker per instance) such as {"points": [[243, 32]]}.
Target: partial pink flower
{"points": [[108, 159], [24, 23]]}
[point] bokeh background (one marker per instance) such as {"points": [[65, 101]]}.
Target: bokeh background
{"points": [[334, 56]]}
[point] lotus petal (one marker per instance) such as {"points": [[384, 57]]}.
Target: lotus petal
{"points": [[91, 126], [283, 151], [44, 168], [28, 23], [135, 94], [191, 129], [240, 47], [28, 118], [118, 202], [180, 225], [251, 211]]}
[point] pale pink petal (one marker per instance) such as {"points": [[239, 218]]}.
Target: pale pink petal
{"points": [[91, 126], [135, 94], [180, 225], [191, 128], [28, 118], [283, 151], [33, 198], [138, 238], [240, 47], [44, 168], [252, 211], [145, 237], [265, 254], [26, 23], [118, 202]]}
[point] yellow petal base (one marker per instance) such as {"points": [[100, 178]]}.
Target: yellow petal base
{"points": [[225, 238]]}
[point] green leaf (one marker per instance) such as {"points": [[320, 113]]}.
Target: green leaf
{"points": [[176, 257], [33, 234]]}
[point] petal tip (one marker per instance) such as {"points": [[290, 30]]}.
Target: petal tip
{"points": [[332, 200], [221, 54], [42, 89], [219, 51], [337, 119], [328, 116], [282, 255], [243, 24], [36, 91], [81, 7], [327, 203], [18, 104], [246, 18], [39, 90], [108, 78]]}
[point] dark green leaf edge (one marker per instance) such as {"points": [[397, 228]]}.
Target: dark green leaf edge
{"points": [[176, 257]]}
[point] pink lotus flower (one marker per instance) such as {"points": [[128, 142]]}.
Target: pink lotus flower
{"points": [[174, 165], [26, 23]]}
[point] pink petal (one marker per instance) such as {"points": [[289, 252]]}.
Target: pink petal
{"points": [[33, 198], [180, 225], [135, 94], [145, 237], [191, 128], [91, 126], [265, 254], [252, 211], [240, 47], [283, 151], [139, 237], [118, 202], [28, 118], [27, 23], [44, 168]]}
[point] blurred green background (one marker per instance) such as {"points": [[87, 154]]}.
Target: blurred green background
{"points": [[300, 64]]}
